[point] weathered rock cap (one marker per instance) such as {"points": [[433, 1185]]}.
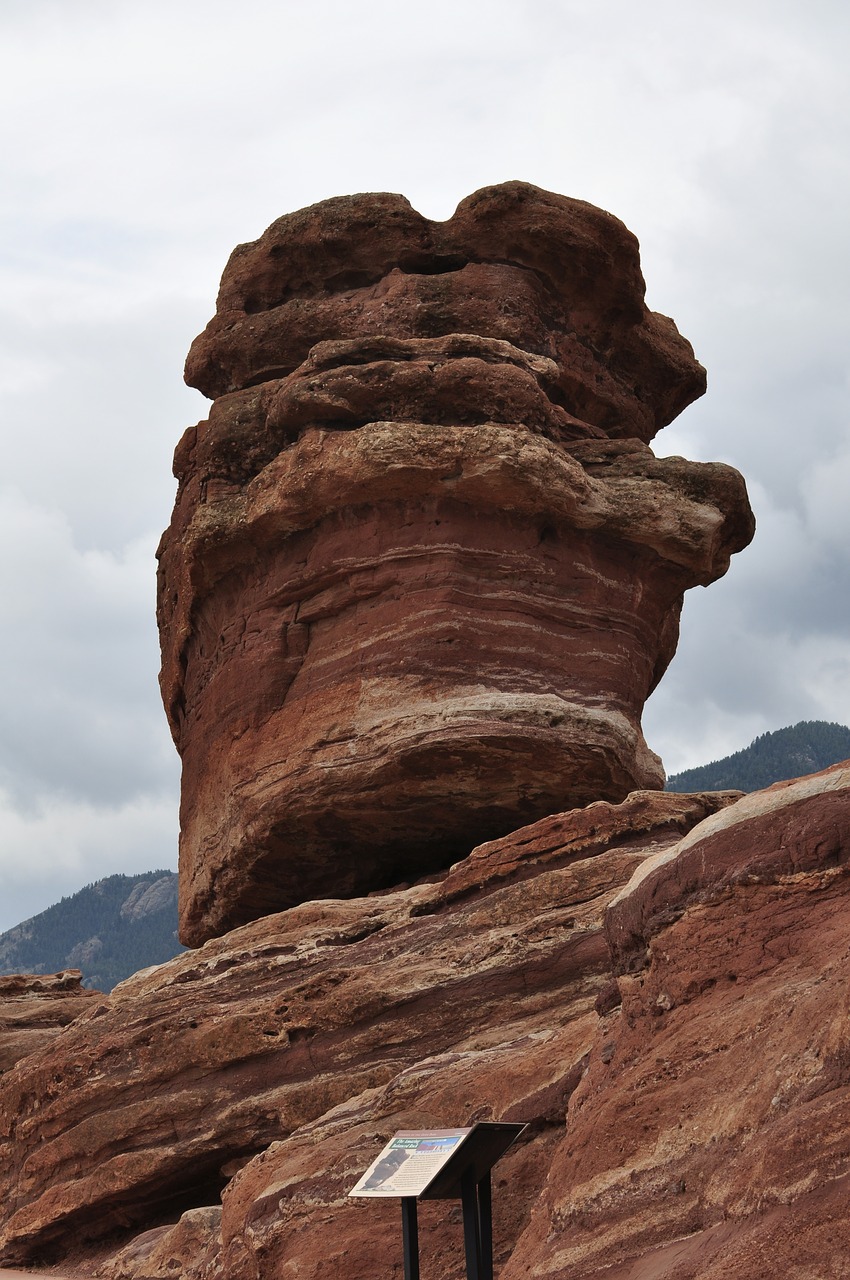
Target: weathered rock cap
{"points": [[552, 275]]}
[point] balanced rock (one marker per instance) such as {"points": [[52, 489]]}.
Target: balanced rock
{"points": [[423, 568]]}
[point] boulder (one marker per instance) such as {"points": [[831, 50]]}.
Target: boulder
{"points": [[420, 579]]}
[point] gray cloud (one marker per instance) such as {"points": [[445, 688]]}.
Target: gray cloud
{"points": [[141, 144]]}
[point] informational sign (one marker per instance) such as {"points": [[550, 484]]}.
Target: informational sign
{"points": [[409, 1162], [443, 1164]]}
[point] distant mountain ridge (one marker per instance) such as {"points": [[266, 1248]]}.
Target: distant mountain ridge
{"points": [[772, 757], [109, 930]]}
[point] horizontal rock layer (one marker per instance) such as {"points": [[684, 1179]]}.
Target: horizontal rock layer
{"points": [[395, 643], [33, 1009]]}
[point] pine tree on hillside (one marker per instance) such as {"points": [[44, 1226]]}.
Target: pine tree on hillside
{"points": [[772, 757], [109, 930]]}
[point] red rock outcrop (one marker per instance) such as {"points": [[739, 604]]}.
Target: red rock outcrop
{"points": [[710, 1135], [33, 1009], [658, 989], [423, 569], [297, 1043]]}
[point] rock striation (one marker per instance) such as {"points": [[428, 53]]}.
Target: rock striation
{"points": [[284, 1055], [33, 1009], [657, 987], [423, 568]]}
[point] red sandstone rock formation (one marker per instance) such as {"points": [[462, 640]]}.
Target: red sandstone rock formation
{"points": [[710, 1135], [311, 1036], [33, 1009], [687, 1085], [422, 572], [423, 569]]}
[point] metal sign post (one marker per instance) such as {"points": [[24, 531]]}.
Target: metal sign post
{"points": [[477, 1227], [443, 1164], [410, 1238]]}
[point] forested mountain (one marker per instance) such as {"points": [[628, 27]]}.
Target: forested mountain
{"points": [[108, 930], [773, 757]]}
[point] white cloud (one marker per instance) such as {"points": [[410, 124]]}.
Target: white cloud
{"points": [[825, 488], [88, 774], [78, 712], [767, 645]]}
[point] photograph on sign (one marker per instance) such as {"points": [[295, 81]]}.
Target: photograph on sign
{"points": [[409, 1162]]}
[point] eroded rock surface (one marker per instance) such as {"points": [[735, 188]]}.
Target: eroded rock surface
{"points": [[33, 1009], [659, 988], [311, 1036], [711, 1131], [423, 569]]}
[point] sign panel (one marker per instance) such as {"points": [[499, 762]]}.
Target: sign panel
{"points": [[409, 1162]]}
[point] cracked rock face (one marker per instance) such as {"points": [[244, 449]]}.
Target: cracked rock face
{"points": [[423, 568]]}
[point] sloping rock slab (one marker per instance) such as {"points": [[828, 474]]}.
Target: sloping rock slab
{"points": [[710, 1136], [450, 1007]]}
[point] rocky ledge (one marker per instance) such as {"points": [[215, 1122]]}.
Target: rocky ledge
{"points": [[33, 1009], [657, 987]]}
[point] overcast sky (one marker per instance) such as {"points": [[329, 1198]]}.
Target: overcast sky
{"points": [[141, 142]]}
